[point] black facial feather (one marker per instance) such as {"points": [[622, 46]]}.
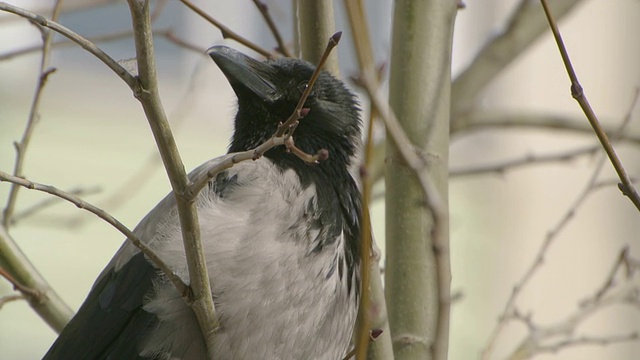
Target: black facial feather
{"points": [[333, 121]]}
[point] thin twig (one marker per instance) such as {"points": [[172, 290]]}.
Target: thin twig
{"points": [[522, 28], [21, 147], [175, 279], [577, 92], [49, 306], [282, 136], [362, 337], [145, 170], [538, 261], [561, 335], [228, 33], [291, 123], [590, 187], [9, 298], [483, 120], [525, 161], [33, 209], [52, 309], [199, 182], [89, 46], [624, 260], [587, 340], [264, 10], [364, 52], [65, 43], [157, 11], [25, 290], [171, 37]]}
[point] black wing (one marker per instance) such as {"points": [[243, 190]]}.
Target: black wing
{"points": [[111, 322]]}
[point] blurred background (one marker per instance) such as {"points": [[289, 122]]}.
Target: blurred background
{"points": [[92, 135]]}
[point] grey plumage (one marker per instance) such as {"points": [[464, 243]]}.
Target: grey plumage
{"points": [[280, 239]]}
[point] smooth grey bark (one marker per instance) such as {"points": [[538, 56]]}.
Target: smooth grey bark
{"points": [[419, 94]]}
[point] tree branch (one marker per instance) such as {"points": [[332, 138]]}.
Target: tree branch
{"points": [[175, 279], [17, 267], [148, 95], [479, 120], [226, 32], [592, 185], [577, 92], [50, 307], [157, 11], [418, 313], [501, 167], [35, 208], [539, 260], [372, 312], [69, 34], [9, 298], [523, 27], [620, 288], [21, 147], [315, 22], [264, 10]]}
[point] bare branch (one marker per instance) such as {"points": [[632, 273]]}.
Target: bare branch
{"points": [[26, 291], [157, 11], [50, 307], [290, 123], [621, 287], [198, 183], [83, 42], [372, 307], [21, 147], [264, 10], [9, 298], [65, 43], [523, 27], [175, 279], [501, 167], [539, 260], [577, 92], [33, 209], [479, 120], [201, 302], [228, 33], [171, 37], [592, 185], [39, 294], [418, 167]]}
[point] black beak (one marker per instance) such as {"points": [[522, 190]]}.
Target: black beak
{"points": [[245, 73]]}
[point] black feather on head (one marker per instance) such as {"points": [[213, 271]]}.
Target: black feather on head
{"points": [[268, 93]]}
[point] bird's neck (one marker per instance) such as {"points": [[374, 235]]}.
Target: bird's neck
{"points": [[339, 203]]}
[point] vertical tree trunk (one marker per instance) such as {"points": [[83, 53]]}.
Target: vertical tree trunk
{"points": [[315, 26], [419, 94]]}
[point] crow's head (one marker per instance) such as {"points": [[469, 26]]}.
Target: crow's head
{"points": [[268, 93]]}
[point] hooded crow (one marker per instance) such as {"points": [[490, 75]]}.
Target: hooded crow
{"points": [[281, 239]]}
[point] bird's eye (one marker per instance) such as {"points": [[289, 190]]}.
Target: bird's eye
{"points": [[303, 86]]}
